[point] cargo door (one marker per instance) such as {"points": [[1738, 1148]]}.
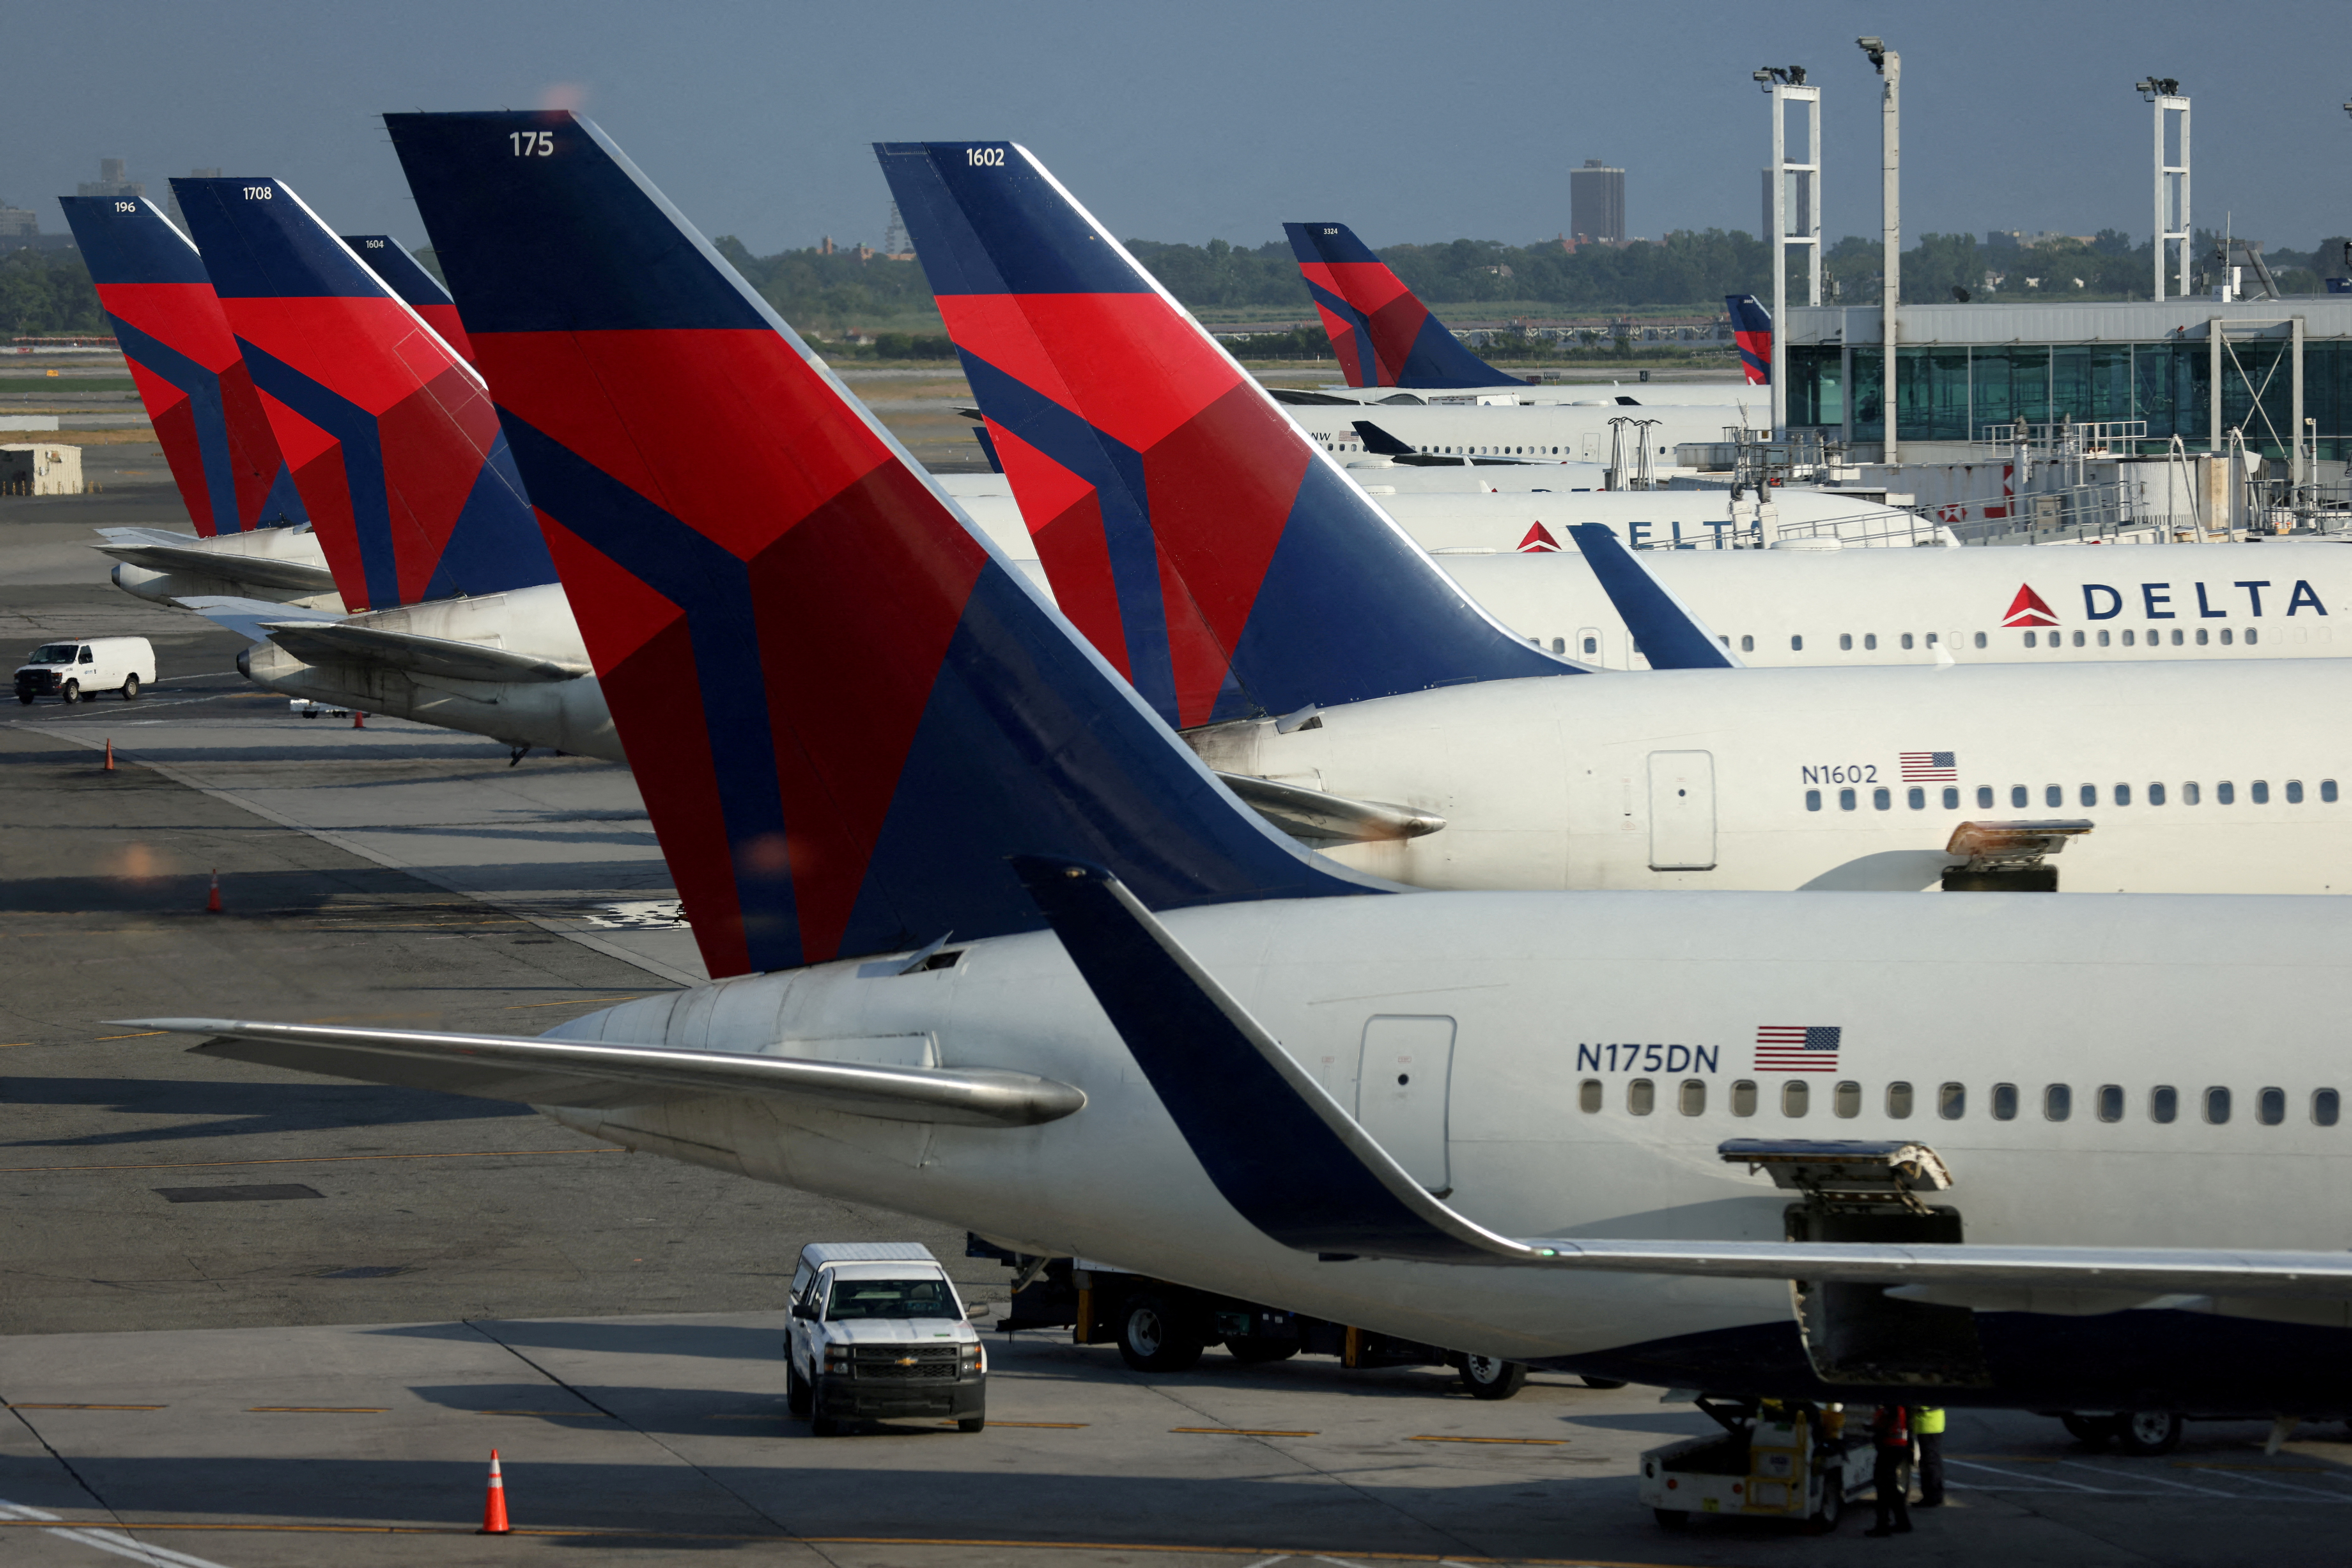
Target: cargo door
{"points": [[1402, 1086], [1682, 811]]}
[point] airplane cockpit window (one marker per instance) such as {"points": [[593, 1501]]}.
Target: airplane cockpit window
{"points": [[2326, 1106], [2217, 1105], [1898, 1100], [1588, 1094], [1846, 1099], [1794, 1098], [2057, 1102], [1743, 1097], [2111, 1102], [2270, 1106], [2163, 1103], [1692, 1099], [2004, 1102], [1641, 1096], [1952, 1102]]}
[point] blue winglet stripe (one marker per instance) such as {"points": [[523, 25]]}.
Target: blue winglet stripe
{"points": [[1668, 635], [1270, 1155]]}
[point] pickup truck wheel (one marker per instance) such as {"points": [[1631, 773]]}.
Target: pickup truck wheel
{"points": [[1673, 1518], [1153, 1336], [1488, 1377], [2091, 1431], [70, 693], [1251, 1350], [130, 689], [971, 1422], [2144, 1434], [796, 1393], [25, 698]]}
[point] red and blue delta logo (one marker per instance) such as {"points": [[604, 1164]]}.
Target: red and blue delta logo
{"points": [[2029, 609]]}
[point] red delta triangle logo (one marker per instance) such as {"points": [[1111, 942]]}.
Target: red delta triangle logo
{"points": [[2028, 610], [1538, 541]]}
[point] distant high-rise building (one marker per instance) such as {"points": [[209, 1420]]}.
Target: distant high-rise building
{"points": [[111, 181], [1801, 205], [18, 224], [173, 206], [1596, 202]]}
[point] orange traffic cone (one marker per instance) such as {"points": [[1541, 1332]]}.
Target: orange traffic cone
{"points": [[110, 753], [359, 719], [494, 1509], [212, 899]]}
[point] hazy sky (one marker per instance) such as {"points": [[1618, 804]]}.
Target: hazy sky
{"points": [[1411, 122]]}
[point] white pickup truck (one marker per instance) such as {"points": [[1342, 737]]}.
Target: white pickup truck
{"points": [[878, 1330], [85, 666]]}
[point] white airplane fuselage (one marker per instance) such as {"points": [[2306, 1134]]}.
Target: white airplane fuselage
{"points": [[1581, 1057]]}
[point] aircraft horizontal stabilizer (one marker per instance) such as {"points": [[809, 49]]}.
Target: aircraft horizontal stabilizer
{"points": [[246, 617], [1292, 1161], [588, 1074], [319, 642], [1667, 631], [260, 571]]}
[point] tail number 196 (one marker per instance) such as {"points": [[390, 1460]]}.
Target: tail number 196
{"points": [[532, 144], [984, 157]]}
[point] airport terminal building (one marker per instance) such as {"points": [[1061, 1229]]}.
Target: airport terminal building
{"points": [[1962, 369]]}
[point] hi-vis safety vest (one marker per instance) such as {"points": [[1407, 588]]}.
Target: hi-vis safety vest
{"points": [[1930, 1421]]}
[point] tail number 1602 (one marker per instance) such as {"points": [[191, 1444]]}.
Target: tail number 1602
{"points": [[984, 157]]}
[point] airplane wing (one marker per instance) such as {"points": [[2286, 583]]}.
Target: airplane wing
{"points": [[320, 642], [246, 617], [1381, 443], [261, 570], [1668, 632], [1296, 1165], [542, 1071], [1321, 818]]}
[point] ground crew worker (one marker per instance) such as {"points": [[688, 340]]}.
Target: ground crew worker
{"points": [[1890, 1441], [1928, 1430]]}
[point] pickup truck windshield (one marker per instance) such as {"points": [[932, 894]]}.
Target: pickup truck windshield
{"points": [[889, 1298], [54, 652]]}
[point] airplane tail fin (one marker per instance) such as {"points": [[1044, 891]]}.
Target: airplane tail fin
{"points": [[1382, 331], [1752, 327], [1220, 560], [845, 707], [1379, 442], [419, 289], [1667, 631], [391, 435], [194, 386]]}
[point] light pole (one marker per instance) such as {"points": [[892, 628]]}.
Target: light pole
{"points": [[1889, 66], [1785, 85], [2172, 179]]}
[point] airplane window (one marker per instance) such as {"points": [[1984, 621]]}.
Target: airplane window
{"points": [[2294, 792], [1870, 641], [2225, 637], [1906, 638], [1692, 1101], [2078, 639], [1592, 645], [1916, 798], [2261, 791], [2122, 793], [1588, 1094], [1846, 800], [2217, 1106], [2175, 637], [2090, 794], [2029, 639], [1952, 1102], [1743, 1097], [2202, 638], [2156, 795], [2326, 1107], [2019, 795], [2163, 1103], [2111, 1102], [2058, 1102], [1847, 1101], [2270, 1106], [1984, 797], [1951, 799], [1746, 643], [2103, 639], [1559, 645], [1797, 645], [1980, 639], [2004, 1102], [1882, 799], [1931, 641], [1793, 1095], [1642, 1097], [2128, 638], [1898, 1100], [2327, 791], [2225, 794], [1845, 642], [1812, 800], [2253, 637], [2189, 794]]}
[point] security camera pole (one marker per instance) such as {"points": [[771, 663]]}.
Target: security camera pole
{"points": [[1889, 66], [1785, 85]]}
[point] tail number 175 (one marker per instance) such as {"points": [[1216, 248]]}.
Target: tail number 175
{"points": [[532, 144]]}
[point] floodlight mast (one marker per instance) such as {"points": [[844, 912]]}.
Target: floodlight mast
{"points": [[2172, 179], [1785, 85], [1889, 66]]}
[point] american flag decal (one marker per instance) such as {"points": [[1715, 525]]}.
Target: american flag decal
{"points": [[1930, 767], [1797, 1047]]}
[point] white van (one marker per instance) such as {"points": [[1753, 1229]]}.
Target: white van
{"points": [[878, 1330], [71, 671]]}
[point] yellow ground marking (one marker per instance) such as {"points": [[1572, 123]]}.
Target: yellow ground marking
{"points": [[1243, 1432], [22, 1406], [1539, 1442], [318, 1409], [140, 1035], [301, 1160]]}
